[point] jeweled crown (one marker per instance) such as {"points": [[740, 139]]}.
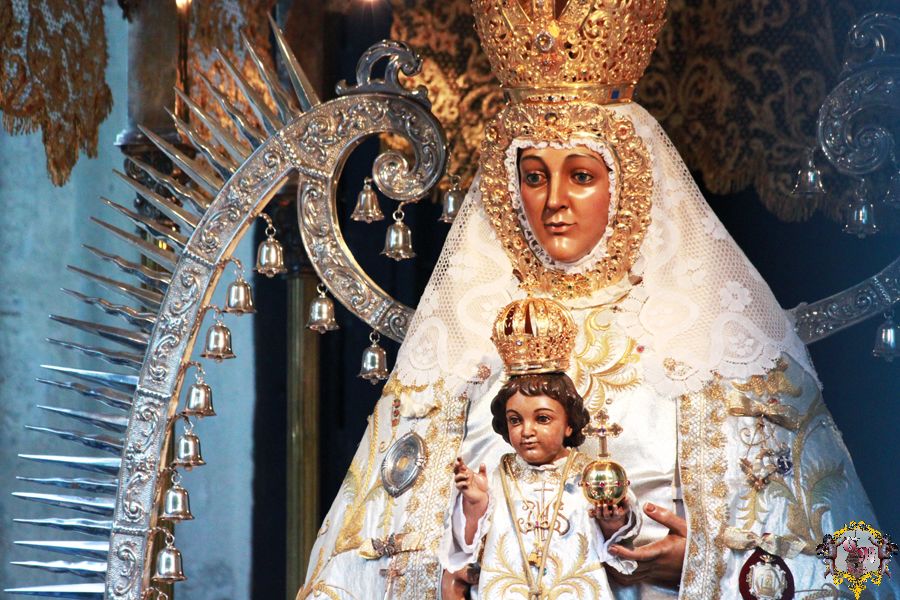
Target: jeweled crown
{"points": [[593, 50], [534, 335]]}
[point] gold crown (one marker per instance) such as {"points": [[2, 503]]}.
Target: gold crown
{"points": [[534, 335], [594, 50]]}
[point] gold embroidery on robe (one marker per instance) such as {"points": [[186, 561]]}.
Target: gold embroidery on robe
{"points": [[808, 486], [509, 579], [607, 363], [349, 536]]}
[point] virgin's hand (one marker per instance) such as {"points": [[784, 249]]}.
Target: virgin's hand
{"points": [[472, 485], [661, 561]]}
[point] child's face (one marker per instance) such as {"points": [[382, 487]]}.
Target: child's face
{"points": [[537, 427]]}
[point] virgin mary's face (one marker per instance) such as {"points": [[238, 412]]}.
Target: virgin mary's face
{"points": [[565, 196]]}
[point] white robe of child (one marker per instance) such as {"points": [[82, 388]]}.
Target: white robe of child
{"points": [[577, 553]]}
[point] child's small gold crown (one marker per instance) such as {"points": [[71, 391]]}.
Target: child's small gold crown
{"points": [[534, 335]]}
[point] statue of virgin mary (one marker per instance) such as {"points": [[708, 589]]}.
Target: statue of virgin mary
{"points": [[733, 457]]}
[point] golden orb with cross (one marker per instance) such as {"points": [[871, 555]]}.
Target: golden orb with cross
{"points": [[604, 481]]}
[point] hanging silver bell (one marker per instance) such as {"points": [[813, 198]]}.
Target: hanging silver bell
{"points": [[886, 340], [176, 504], [239, 298], [187, 451], [452, 201], [809, 178], [861, 213], [367, 208], [199, 401], [321, 313], [218, 342], [374, 361], [398, 242], [168, 565], [270, 254]]}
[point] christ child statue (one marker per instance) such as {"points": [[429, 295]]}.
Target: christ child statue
{"points": [[528, 524]]}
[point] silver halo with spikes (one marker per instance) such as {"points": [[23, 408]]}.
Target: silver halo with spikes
{"points": [[232, 178]]}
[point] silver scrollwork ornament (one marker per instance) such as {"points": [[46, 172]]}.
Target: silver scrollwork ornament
{"points": [[374, 361], [892, 194], [367, 208]]}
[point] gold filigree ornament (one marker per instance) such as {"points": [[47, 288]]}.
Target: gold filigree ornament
{"points": [[593, 50], [565, 123]]}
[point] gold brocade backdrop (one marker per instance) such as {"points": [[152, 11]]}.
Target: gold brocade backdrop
{"points": [[52, 76], [736, 85]]}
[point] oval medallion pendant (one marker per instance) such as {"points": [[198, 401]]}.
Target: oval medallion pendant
{"points": [[403, 463], [766, 577]]}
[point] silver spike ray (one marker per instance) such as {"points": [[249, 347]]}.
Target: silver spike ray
{"points": [[127, 337], [235, 148], [286, 111], [151, 298], [83, 548], [180, 216], [250, 133], [85, 526], [106, 421], [156, 279], [72, 591], [88, 569], [203, 177], [93, 505], [85, 484], [196, 199], [109, 396], [121, 381], [160, 232], [304, 89], [112, 445], [221, 164], [269, 120], [142, 319], [166, 258], [129, 360]]}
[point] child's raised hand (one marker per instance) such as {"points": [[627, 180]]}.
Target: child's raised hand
{"points": [[472, 485]]}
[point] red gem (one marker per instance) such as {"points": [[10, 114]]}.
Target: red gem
{"points": [[640, 348]]}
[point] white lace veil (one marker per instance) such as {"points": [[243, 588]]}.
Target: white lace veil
{"points": [[699, 307]]}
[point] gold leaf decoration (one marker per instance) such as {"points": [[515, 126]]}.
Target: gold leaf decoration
{"points": [[52, 76]]}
